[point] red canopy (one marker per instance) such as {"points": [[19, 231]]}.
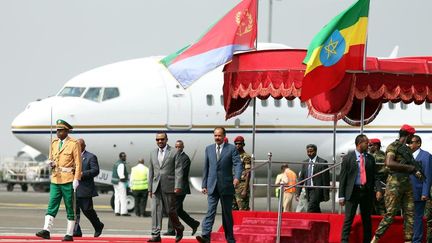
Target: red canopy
{"points": [[279, 73]]}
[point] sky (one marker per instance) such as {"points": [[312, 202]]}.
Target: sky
{"points": [[45, 43]]}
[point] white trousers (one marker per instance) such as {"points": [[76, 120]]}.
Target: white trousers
{"points": [[120, 205]]}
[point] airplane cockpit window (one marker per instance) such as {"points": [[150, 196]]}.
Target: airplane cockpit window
{"points": [[110, 93], [71, 92], [93, 94], [264, 103], [277, 103], [210, 100]]}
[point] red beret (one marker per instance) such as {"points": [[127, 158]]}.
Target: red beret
{"points": [[225, 140], [408, 129], [239, 139], [375, 140]]}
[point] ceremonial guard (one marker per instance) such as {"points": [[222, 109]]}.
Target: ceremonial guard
{"points": [[241, 200], [65, 161]]}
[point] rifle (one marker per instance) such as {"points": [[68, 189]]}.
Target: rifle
{"points": [[408, 159]]}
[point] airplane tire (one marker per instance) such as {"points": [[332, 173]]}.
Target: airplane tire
{"points": [[10, 187], [130, 201], [24, 187]]}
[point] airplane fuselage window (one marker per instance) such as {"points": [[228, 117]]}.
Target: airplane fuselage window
{"points": [[391, 105], [290, 103], [93, 94], [264, 103], [303, 104], [427, 105], [110, 93], [403, 105], [71, 92], [210, 100], [277, 103], [221, 100]]}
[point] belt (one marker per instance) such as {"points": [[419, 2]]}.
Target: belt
{"points": [[360, 187], [65, 169]]}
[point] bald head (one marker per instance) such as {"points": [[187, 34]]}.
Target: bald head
{"points": [[82, 144]]}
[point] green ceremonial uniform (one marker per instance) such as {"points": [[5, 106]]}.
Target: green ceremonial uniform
{"points": [[399, 195], [240, 203], [381, 172]]}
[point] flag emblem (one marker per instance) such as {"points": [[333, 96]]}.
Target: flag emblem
{"points": [[244, 20], [333, 49]]}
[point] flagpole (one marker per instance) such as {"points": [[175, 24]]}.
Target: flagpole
{"points": [[257, 13], [270, 21], [363, 102]]}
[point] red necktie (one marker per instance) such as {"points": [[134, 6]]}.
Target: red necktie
{"points": [[362, 170]]}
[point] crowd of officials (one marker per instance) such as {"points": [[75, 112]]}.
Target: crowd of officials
{"points": [[389, 183]]}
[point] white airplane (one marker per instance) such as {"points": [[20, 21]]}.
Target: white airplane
{"points": [[120, 107]]}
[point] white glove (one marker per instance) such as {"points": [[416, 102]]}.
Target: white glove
{"points": [[75, 184]]}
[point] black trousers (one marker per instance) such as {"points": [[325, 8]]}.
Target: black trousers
{"points": [[182, 214], [140, 201], [86, 206], [362, 197], [313, 195]]}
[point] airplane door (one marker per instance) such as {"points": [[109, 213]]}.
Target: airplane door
{"points": [[179, 107]]}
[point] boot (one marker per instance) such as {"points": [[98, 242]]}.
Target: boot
{"points": [[375, 239], [45, 233], [69, 230]]}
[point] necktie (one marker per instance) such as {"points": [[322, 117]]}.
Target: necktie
{"points": [[362, 170], [60, 144], [309, 173], [160, 156], [218, 153]]}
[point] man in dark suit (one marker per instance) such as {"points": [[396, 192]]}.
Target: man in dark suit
{"points": [[218, 183], [165, 180], [86, 191], [356, 187], [314, 195], [421, 189], [185, 161]]}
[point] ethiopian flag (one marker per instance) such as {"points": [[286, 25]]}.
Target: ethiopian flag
{"points": [[236, 31], [338, 47]]}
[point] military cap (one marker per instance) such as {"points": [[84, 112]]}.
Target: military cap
{"points": [[374, 141], [226, 140], [408, 128], [239, 139], [61, 124]]}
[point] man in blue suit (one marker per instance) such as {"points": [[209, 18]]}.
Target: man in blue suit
{"points": [[86, 191], [421, 189], [218, 183]]}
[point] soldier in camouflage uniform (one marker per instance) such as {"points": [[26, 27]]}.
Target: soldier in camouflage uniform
{"points": [[241, 199], [381, 173], [399, 192]]}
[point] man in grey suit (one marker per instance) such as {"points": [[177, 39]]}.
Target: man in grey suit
{"points": [[165, 180], [218, 183], [186, 162]]}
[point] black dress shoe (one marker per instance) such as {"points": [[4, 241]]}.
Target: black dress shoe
{"points": [[169, 233], [179, 235], [99, 231], [77, 234], [155, 239], [195, 228], [67, 238], [117, 214], [202, 239], [43, 234], [128, 215]]}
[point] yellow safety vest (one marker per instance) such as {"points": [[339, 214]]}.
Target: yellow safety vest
{"points": [[139, 176]]}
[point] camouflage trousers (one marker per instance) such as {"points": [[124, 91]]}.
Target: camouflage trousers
{"points": [[399, 195], [428, 215], [379, 207], [240, 203]]}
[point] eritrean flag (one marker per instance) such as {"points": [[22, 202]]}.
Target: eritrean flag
{"points": [[338, 47], [236, 31]]}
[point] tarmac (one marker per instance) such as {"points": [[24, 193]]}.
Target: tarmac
{"points": [[22, 213]]}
